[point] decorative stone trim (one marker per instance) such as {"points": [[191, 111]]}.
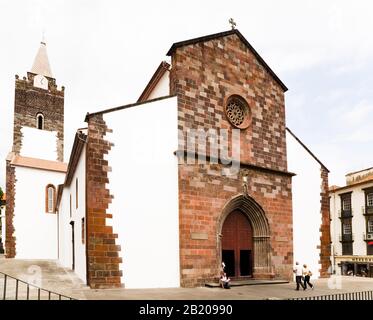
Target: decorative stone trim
{"points": [[199, 236], [102, 253]]}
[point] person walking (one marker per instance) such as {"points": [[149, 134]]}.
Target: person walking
{"points": [[307, 276], [298, 275]]}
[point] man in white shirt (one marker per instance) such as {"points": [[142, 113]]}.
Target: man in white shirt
{"points": [[298, 275], [307, 275]]}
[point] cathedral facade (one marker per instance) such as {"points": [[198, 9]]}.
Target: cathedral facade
{"points": [[160, 192], [217, 221]]}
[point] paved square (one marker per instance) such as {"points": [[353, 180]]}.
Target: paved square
{"points": [[49, 275]]}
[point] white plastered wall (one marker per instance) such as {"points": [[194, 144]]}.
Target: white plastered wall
{"points": [[46, 146], [77, 214], [335, 228], [162, 88], [144, 182], [35, 230], [306, 188]]}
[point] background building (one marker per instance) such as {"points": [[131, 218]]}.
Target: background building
{"points": [[352, 224]]}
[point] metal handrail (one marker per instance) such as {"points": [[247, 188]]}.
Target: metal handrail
{"points": [[345, 213], [359, 295], [6, 276], [347, 237], [367, 210]]}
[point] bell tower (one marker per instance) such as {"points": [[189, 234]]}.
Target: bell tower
{"points": [[38, 103], [36, 158]]}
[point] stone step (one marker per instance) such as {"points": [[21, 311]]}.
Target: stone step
{"points": [[45, 274], [250, 282]]}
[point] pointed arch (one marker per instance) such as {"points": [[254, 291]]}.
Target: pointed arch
{"points": [[260, 227], [252, 209]]}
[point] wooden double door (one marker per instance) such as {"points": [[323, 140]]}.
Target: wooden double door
{"points": [[237, 245]]}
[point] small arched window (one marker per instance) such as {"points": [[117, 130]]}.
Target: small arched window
{"points": [[50, 198], [40, 121]]}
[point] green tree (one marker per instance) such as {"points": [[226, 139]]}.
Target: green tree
{"points": [[1, 194]]}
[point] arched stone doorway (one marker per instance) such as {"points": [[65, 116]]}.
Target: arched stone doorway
{"points": [[244, 215], [237, 245]]}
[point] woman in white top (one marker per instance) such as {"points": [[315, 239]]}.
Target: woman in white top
{"points": [[307, 275]]}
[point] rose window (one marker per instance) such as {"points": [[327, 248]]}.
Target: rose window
{"points": [[237, 112]]}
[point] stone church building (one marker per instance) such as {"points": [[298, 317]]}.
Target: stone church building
{"points": [[138, 204]]}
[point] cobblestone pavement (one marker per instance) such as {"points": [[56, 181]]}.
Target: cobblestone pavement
{"points": [[49, 275]]}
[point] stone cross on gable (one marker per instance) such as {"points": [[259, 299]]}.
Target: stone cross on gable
{"points": [[232, 23]]}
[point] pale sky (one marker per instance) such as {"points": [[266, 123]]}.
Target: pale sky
{"points": [[104, 53]]}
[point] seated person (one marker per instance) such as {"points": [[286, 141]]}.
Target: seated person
{"points": [[224, 281]]}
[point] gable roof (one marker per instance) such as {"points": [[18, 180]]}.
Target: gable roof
{"points": [[225, 34], [158, 74], [79, 142], [131, 105], [306, 148]]}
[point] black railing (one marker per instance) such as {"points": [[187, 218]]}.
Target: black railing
{"points": [[362, 295], [16, 294], [345, 214], [346, 237], [367, 211]]}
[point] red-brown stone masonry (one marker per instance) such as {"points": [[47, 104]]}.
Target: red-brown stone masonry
{"points": [[102, 251], [29, 101], [10, 240], [325, 239], [203, 193], [205, 74]]}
